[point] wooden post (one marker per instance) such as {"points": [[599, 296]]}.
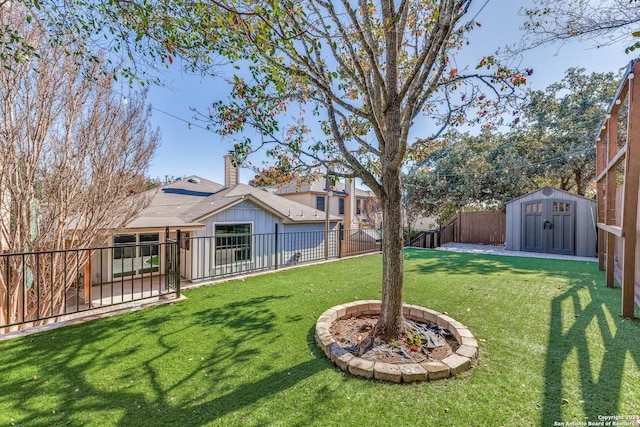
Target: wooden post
{"points": [[630, 196], [601, 247], [611, 265], [610, 192], [606, 171]]}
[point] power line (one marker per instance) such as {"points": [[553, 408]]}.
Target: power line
{"points": [[479, 11], [190, 123]]}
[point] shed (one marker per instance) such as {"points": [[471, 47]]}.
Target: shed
{"points": [[553, 221]]}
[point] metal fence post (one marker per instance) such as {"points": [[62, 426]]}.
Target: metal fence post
{"points": [[276, 246], [167, 258], [340, 237], [177, 255]]}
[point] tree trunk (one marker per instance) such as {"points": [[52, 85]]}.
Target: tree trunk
{"points": [[577, 176], [393, 148], [391, 320]]}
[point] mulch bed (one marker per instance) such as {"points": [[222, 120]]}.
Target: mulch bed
{"points": [[348, 333]]}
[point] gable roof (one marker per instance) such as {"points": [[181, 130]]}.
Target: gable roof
{"points": [[188, 202], [551, 190]]}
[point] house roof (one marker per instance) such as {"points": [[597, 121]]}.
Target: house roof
{"points": [[320, 186], [187, 202]]}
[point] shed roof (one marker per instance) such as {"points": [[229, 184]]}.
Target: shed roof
{"points": [[554, 190]]}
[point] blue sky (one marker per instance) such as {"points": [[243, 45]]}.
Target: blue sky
{"points": [[197, 151]]}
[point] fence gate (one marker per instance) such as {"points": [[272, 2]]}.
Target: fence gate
{"points": [[172, 263]]}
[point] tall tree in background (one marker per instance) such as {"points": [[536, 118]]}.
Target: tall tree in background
{"points": [[552, 145], [562, 121], [270, 177], [72, 153], [470, 171]]}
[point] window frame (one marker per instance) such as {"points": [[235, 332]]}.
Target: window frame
{"points": [[135, 247], [240, 244]]}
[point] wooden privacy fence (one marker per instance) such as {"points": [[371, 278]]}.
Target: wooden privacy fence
{"points": [[485, 227], [617, 179]]}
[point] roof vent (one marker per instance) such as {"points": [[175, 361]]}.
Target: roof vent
{"points": [[194, 180]]}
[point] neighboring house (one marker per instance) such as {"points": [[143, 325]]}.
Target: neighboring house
{"points": [[346, 201], [420, 223], [227, 228]]}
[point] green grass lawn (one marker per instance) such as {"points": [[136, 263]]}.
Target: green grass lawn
{"points": [[243, 353]]}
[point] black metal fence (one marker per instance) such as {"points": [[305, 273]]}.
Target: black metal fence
{"points": [[226, 255], [40, 287]]}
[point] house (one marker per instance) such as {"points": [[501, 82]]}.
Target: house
{"points": [[345, 201], [419, 222], [553, 221], [225, 228]]}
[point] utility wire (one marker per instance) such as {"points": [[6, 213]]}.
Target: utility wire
{"points": [[479, 11]]}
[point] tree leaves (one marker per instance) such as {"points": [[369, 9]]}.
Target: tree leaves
{"points": [[554, 146]]}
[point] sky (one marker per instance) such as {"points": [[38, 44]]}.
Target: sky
{"points": [[192, 150]]}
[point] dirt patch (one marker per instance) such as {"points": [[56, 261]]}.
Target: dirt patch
{"points": [[350, 332]]}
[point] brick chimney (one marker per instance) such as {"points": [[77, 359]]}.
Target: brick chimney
{"points": [[351, 221], [231, 172]]}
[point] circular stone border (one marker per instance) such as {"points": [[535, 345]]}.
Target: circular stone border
{"points": [[454, 364]]}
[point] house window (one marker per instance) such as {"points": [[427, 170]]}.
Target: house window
{"points": [[135, 254], [358, 211], [233, 243], [320, 203], [341, 206]]}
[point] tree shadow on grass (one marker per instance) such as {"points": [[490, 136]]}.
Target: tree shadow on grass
{"points": [[588, 342], [169, 370], [429, 261], [572, 331]]}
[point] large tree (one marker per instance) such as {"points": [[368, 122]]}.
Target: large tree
{"points": [[367, 70], [551, 145], [467, 171], [72, 152], [362, 71], [561, 122]]}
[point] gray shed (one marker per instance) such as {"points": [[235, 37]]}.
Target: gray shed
{"points": [[552, 221]]}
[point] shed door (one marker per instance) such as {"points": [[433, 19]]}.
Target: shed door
{"points": [[548, 226], [532, 227], [560, 232]]}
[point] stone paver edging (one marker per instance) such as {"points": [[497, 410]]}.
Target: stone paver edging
{"points": [[454, 364]]}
